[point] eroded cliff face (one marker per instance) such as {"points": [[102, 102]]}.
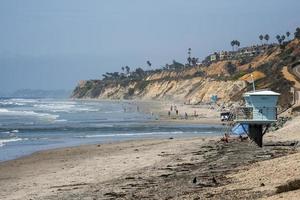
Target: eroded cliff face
{"points": [[193, 90], [226, 79]]}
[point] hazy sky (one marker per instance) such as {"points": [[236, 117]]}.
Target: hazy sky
{"points": [[52, 44]]}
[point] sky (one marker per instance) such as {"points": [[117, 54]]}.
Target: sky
{"points": [[52, 44]]}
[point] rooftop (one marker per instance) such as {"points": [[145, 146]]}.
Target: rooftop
{"points": [[262, 92]]}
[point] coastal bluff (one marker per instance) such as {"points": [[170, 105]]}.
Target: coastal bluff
{"points": [[194, 90], [228, 79]]}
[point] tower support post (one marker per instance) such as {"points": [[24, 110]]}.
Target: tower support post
{"points": [[256, 133]]}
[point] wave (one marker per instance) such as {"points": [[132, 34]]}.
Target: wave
{"points": [[55, 107], [4, 141], [10, 104], [18, 100], [64, 107], [7, 112]]}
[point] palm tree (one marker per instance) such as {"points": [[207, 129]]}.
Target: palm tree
{"points": [[283, 38], [237, 43], [288, 34], [297, 33], [127, 69], [189, 51], [233, 44], [123, 68], [194, 61], [267, 37], [149, 63], [278, 38], [189, 59], [261, 37]]}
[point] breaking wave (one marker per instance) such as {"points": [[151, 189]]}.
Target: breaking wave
{"points": [[6, 112]]}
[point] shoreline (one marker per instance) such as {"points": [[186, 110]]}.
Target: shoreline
{"points": [[171, 168]]}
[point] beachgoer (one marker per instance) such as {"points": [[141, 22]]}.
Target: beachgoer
{"points": [[138, 108], [171, 109], [177, 112], [225, 138], [169, 113], [186, 115]]}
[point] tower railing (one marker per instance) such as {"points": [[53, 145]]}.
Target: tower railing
{"points": [[255, 114]]}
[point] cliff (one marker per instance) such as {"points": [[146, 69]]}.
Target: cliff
{"points": [[226, 79]]}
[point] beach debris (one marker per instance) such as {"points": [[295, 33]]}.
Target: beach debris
{"points": [[289, 186], [262, 184], [214, 180], [129, 178], [114, 194], [287, 143], [166, 175], [171, 138], [195, 180]]}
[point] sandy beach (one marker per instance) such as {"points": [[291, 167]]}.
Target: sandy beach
{"points": [[173, 168]]}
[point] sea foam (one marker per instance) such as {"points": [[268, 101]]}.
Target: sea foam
{"points": [[4, 111], [4, 141]]}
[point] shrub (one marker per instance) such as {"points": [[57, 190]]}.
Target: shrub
{"points": [[130, 91]]}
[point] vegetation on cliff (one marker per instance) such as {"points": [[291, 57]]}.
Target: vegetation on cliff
{"points": [[195, 82]]}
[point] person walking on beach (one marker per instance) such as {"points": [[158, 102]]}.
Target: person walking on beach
{"points": [[177, 112], [171, 109], [185, 115], [169, 113]]}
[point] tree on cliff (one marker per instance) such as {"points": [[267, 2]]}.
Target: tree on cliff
{"points": [[283, 38], [232, 44], [194, 61], [189, 59], [297, 33], [139, 72], [149, 63], [127, 69], [288, 35], [231, 68], [261, 37], [278, 39], [235, 43], [267, 37]]}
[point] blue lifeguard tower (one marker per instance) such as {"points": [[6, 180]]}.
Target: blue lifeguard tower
{"points": [[259, 112]]}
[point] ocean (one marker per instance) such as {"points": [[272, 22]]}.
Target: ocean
{"points": [[31, 125]]}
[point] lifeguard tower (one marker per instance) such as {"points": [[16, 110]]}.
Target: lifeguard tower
{"points": [[259, 112]]}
